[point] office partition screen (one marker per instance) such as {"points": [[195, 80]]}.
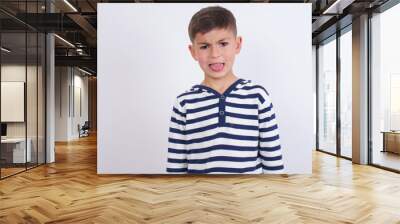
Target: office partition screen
{"points": [[144, 64]]}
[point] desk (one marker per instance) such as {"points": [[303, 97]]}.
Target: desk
{"points": [[391, 141], [15, 148]]}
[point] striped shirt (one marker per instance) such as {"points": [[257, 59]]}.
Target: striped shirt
{"points": [[233, 132]]}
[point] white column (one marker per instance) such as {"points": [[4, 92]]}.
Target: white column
{"points": [[50, 92], [360, 90], [50, 110]]}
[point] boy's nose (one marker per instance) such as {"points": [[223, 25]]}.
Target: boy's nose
{"points": [[215, 52]]}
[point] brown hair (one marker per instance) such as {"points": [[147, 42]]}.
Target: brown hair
{"points": [[210, 18]]}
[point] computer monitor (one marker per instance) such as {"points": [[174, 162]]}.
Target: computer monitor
{"points": [[3, 129]]}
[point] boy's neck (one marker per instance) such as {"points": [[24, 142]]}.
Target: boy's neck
{"points": [[219, 84]]}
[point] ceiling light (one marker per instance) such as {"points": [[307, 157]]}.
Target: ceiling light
{"points": [[84, 71], [5, 50], [70, 5], [65, 41], [338, 6], [331, 7]]}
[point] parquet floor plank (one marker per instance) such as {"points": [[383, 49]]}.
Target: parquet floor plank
{"points": [[70, 191]]}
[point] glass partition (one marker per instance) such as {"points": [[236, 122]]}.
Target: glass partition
{"points": [[41, 87], [327, 96], [22, 63], [385, 89], [32, 95], [346, 93], [13, 109]]}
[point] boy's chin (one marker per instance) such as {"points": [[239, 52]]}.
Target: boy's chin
{"points": [[218, 75]]}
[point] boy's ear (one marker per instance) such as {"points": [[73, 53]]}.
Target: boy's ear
{"points": [[192, 52], [239, 41]]}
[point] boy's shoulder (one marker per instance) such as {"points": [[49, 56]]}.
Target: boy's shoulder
{"points": [[252, 87], [248, 87], [192, 92]]}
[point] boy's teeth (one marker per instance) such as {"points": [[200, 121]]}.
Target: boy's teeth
{"points": [[217, 67]]}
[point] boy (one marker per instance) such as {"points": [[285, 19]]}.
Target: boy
{"points": [[225, 124]]}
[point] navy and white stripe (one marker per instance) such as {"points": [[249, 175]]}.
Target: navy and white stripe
{"points": [[233, 132]]}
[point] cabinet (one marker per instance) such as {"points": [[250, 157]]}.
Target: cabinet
{"points": [[13, 150], [391, 141]]}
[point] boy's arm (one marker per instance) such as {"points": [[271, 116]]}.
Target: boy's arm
{"points": [[270, 146], [177, 153]]}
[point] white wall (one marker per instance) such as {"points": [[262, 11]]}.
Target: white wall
{"points": [[144, 63], [68, 81], [79, 117], [61, 103], [12, 101], [17, 73]]}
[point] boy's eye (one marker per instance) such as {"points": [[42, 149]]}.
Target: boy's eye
{"points": [[224, 44], [204, 47]]}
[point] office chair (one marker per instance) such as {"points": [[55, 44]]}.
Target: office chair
{"points": [[84, 130]]}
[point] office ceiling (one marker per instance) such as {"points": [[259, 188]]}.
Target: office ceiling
{"points": [[76, 22]]}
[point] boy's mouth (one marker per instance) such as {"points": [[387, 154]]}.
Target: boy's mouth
{"points": [[216, 67]]}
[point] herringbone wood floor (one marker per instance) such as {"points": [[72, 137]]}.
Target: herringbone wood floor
{"points": [[70, 191]]}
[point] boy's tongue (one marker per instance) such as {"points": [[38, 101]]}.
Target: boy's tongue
{"points": [[217, 67]]}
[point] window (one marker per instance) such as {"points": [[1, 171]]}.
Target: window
{"points": [[385, 89], [327, 96], [346, 93]]}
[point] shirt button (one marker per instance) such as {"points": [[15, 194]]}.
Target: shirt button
{"points": [[222, 97], [221, 113]]}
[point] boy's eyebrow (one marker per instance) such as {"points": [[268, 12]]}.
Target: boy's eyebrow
{"points": [[202, 43], [217, 41]]}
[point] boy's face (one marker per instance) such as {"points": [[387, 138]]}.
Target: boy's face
{"points": [[215, 51]]}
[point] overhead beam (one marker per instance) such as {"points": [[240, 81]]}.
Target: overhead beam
{"points": [[331, 30], [85, 61], [49, 22], [337, 6], [320, 22], [83, 23]]}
